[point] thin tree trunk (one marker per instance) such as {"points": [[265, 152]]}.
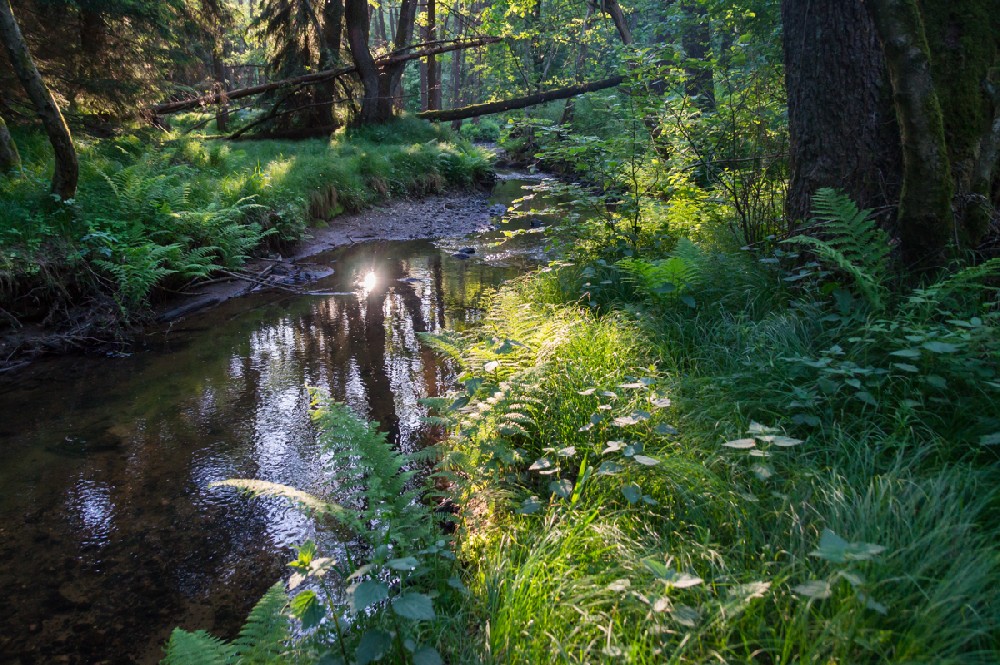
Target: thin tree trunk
{"points": [[66, 173], [356, 16], [581, 57], [10, 160], [219, 73], [477, 110], [926, 220], [614, 10], [433, 72], [391, 78]]}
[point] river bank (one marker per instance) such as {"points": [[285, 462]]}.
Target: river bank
{"points": [[155, 217]]}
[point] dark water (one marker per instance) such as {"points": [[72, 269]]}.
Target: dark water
{"points": [[109, 536]]}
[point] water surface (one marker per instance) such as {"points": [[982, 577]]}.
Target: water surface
{"points": [[109, 535]]}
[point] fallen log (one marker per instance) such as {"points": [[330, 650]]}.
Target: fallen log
{"points": [[316, 77], [476, 110]]}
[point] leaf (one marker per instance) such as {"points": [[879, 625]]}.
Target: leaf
{"points": [[689, 301], [561, 488], [685, 615], [762, 472], [620, 585], [613, 447], [940, 347], [541, 464], [609, 468], [740, 444], [307, 608], [906, 367], [367, 593], [634, 384], [784, 441], [835, 549], [374, 645], [666, 430], [646, 461], [491, 366], [568, 451], [634, 418], [529, 506], [427, 656], [660, 403], [913, 354], [588, 391], [816, 589], [872, 604], [632, 493], [757, 428], [990, 439], [414, 606], [403, 563]]}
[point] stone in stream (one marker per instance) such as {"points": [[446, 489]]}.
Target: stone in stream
{"points": [[468, 250], [461, 255]]}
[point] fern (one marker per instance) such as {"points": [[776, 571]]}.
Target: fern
{"points": [[263, 637], [970, 282], [852, 243], [197, 648]]}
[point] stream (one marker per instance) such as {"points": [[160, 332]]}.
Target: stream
{"points": [[109, 534]]}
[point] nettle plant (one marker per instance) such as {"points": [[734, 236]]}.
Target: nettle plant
{"points": [[375, 604]]}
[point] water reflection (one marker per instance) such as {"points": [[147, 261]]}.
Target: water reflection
{"points": [[110, 536]]}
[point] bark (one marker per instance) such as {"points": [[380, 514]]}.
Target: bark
{"points": [[331, 36], [926, 220], [314, 78], [219, 73], [10, 160], [356, 15], [614, 10], [66, 173], [391, 78], [842, 130], [477, 110], [433, 71]]}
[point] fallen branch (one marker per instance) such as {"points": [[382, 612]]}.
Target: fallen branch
{"points": [[476, 110], [315, 77]]}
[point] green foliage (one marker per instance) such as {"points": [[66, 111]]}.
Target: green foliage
{"points": [[851, 242]]}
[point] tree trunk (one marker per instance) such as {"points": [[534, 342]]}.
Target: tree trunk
{"points": [[10, 160], [614, 10], [433, 72], [356, 16], [64, 178], [842, 130], [477, 110], [391, 77], [926, 221], [331, 36], [219, 73]]}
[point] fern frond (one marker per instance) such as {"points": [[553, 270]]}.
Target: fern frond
{"points": [[197, 648], [851, 242], [969, 282], [263, 637], [259, 488]]}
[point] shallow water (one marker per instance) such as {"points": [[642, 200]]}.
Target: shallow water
{"points": [[109, 535]]}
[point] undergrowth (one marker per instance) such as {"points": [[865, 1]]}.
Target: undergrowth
{"points": [[732, 457]]}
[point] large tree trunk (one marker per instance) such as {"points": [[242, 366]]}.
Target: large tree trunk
{"points": [[331, 36], [842, 130], [66, 172], [10, 160], [926, 221]]}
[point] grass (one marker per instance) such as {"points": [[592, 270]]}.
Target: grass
{"points": [[603, 525], [155, 210]]}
